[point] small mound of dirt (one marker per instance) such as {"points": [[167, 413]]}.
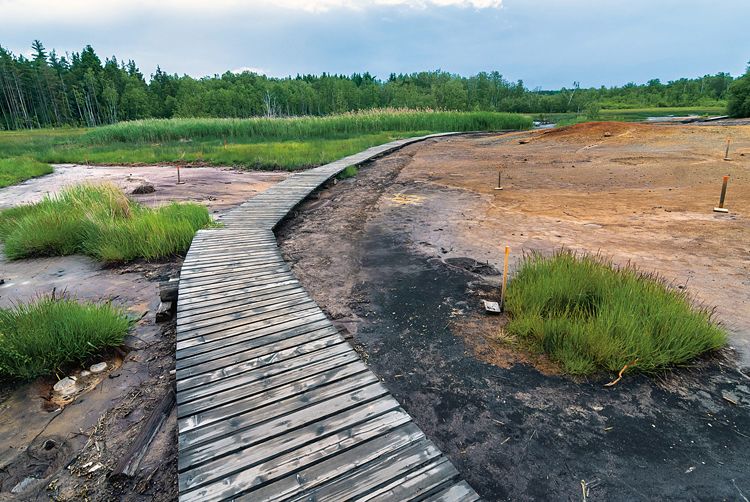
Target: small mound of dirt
{"points": [[473, 266], [143, 189]]}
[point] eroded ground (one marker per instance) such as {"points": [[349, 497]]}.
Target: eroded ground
{"points": [[392, 256], [66, 452]]}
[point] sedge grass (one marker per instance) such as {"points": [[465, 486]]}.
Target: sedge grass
{"points": [[297, 128], [590, 316], [99, 221], [41, 337], [17, 169]]}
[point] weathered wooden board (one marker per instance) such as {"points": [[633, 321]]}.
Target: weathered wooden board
{"points": [[272, 403]]}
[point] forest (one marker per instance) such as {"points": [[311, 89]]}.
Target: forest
{"points": [[47, 89]]}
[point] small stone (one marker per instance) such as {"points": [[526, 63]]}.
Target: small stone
{"points": [[144, 189], [98, 367], [22, 485], [66, 386], [84, 373]]}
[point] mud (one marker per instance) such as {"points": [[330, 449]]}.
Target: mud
{"points": [[217, 188], [392, 256]]}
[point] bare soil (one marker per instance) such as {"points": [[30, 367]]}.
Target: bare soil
{"points": [[65, 449], [401, 256]]}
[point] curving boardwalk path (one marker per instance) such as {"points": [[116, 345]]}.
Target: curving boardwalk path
{"points": [[272, 403]]}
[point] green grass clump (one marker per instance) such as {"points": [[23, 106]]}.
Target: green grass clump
{"points": [[589, 316], [41, 337], [99, 221], [349, 172], [17, 169]]}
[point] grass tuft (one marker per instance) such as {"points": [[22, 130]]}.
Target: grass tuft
{"points": [[349, 172], [590, 316], [17, 169], [99, 221], [41, 337]]}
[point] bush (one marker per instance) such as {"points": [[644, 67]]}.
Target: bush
{"points": [[99, 221], [589, 316], [739, 97], [41, 337]]}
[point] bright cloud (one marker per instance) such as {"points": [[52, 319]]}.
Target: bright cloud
{"points": [[81, 11]]}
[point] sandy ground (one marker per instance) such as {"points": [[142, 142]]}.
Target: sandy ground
{"points": [[633, 192], [54, 447], [401, 255]]}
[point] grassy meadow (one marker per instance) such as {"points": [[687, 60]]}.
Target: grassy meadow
{"points": [[101, 222], [259, 143], [41, 337], [589, 316]]}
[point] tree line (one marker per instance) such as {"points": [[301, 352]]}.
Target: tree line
{"points": [[78, 89]]}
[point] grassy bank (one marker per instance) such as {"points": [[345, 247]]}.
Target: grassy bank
{"points": [[99, 221], [629, 114], [40, 338], [589, 317], [17, 169], [261, 143]]}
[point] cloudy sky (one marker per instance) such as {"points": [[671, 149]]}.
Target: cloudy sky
{"points": [[546, 43]]}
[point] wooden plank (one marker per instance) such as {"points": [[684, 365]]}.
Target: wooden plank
{"points": [[383, 475], [260, 317], [203, 352], [416, 484], [460, 492], [268, 398], [229, 389], [224, 302], [188, 303], [264, 358], [330, 415], [228, 312], [358, 448], [263, 346], [193, 346], [281, 376]]}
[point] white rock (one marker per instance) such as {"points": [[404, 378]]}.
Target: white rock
{"points": [[84, 373], [98, 367], [22, 485], [66, 386]]}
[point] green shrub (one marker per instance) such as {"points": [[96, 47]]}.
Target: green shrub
{"points": [[589, 316], [738, 104], [99, 221], [41, 337], [17, 169]]}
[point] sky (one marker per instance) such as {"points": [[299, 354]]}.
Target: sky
{"points": [[546, 43]]}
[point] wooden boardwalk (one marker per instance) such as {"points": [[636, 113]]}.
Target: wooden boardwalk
{"points": [[272, 403]]}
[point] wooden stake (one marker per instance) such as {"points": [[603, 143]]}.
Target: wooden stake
{"points": [[178, 175], [505, 278], [726, 152], [499, 179], [721, 209]]}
